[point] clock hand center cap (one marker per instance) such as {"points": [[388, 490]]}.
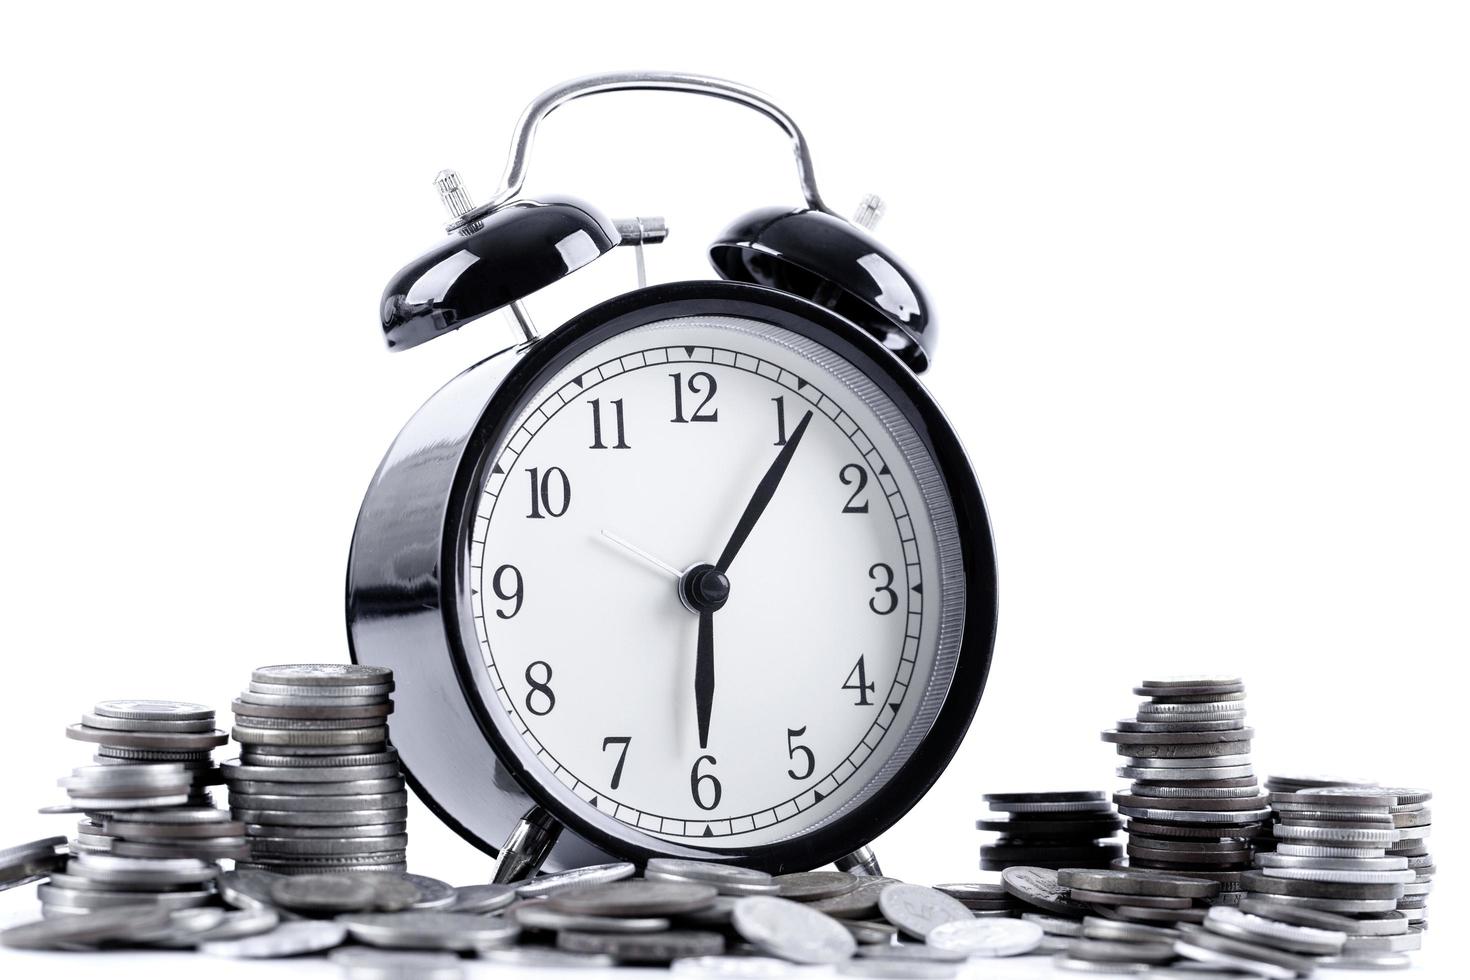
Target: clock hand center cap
{"points": [[704, 588]]}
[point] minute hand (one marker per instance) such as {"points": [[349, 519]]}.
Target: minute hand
{"points": [[763, 494]]}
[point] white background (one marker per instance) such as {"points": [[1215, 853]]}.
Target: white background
{"points": [[1202, 273]]}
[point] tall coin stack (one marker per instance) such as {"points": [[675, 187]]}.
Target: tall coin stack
{"points": [[1194, 806], [1343, 850], [317, 785], [150, 834], [1049, 830]]}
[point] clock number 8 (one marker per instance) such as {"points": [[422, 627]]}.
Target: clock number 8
{"points": [[547, 700], [698, 780]]}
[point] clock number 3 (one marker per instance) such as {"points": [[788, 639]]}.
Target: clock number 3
{"points": [[700, 383]]}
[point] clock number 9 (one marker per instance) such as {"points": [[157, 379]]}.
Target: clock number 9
{"points": [[701, 382], [698, 780], [547, 699], [516, 594], [886, 590]]}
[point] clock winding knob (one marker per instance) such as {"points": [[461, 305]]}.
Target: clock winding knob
{"points": [[869, 211]]}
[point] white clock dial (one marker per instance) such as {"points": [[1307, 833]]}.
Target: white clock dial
{"points": [[637, 463]]}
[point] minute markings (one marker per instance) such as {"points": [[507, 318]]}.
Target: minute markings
{"points": [[714, 360]]}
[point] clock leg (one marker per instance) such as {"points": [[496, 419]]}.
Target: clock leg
{"points": [[860, 862], [526, 847]]}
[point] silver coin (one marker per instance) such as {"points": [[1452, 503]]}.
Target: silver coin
{"points": [[299, 818], [353, 832], [1197, 816], [145, 725], [1345, 836], [346, 736], [1138, 883], [301, 847], [312, 708], [92, 929], [358, 963], [254, 722], [1109, 951], [149, 710], [288, 939], [433, 893], [324, 893], [233, 848], [361, 787], [986, 937], [322, 675], [726, 879], [1347, 877], [397, 867], [1040, 887], [791, 931], [55, 895], [117, 755], [633, 898], [1121, 930], [430, 930], [318, 756], [301, 804], [319, 700], [917, 910], [1048, 806], [663, 947], [163, 871], [1316, 851], [549, 884], [534, 915], [1141, 761], [1347, 906], [860, 903], [177, 741], [869, 933], [308, 690], [1184, 775], [541, 957], [1054, 925], [1373, 945], [236, 771], [249, 889], [910, 951], [742, 967], [811, 886], [1363, 961], [1246, 927]]}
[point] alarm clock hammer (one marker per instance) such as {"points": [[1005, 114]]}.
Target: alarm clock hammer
{"points": [[762, 443]]}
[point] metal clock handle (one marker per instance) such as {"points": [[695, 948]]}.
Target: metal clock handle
{"points": [[631, 81]]}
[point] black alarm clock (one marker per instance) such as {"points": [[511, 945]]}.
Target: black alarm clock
{"points": [[703, 572]]}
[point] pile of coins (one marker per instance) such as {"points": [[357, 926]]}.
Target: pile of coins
{"points": [[317, 786], [1050, 830], [1194, 804], [150, 833]]}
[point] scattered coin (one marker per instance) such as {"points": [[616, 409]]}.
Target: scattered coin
{"points": [[551, 883], [917, 910], [430, 930], [791, 931], [986, 937], [288, 939], [663, 947]]}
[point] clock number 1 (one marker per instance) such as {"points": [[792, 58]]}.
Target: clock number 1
{"points": [[700, 383], [617, 405]]}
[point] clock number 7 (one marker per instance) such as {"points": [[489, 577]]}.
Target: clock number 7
{"points": [[861, 684], [622, 740]]}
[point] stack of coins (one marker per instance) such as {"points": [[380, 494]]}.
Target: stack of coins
{"points": [[149, 834], [1194, 805], [1049, 830], [317, 785], [1341, 850]]}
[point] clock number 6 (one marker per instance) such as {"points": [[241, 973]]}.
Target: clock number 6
{"points": [[547, 700], [698, 780], [792, 749], [542, 498]]}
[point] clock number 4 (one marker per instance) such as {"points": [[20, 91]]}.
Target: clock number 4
{"points": [[551, 492], [857, 680], [700, 383], [617, 413], [698, 782]]}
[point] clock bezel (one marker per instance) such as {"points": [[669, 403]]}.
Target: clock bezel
{"points": [[538, 364]]}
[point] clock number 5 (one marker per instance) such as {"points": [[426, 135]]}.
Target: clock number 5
{"points": [[792, 749], [697, 781], [545, 502], [622, 740], [700, 383]]}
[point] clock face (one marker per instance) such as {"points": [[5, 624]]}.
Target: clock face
{"points": [[715, 583]]}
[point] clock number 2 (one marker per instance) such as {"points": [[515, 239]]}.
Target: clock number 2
{"points": [[859, 482], [545, 503], [698, 780], [857, 680], [700, 383]]}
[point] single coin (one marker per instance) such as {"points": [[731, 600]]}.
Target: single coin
{"points": [[249, 889], [870, 932], [632, 898], [1245, 927], [52, 895], [433, 893], [370, 801], [917, 910], [535, 915], [1405, 877], [140, 709], [295, 691], [305, 724], [910, 951], [324, 893], [347, 736], [898, 969], [1202, 937], [232, 848], [727, 879], [1063, 796], [346, 835], [986, 937], [1039, 887], [1194, 727], [597, 873], [1251, 804], [1139, 760], [147, 725], [322, 675], [791, 931], [361, 787], [1094, 898], [1184, 683], [93, 929], [358, 963], [1109, 951], [811, 886], [1184, 775], [236, 771], [1137, 913], [1241, 734], [860, 903], [196, 741], [1071, 964], [1197, 790], [1258, 881], [1124, 931], [287, 939], [430, 929], [1363, 961], [663, 947], [541, 957], [325, 699], [1080, 806], [300, 818], [161, 871], [294, 709], [482, 899], [1138, 883], [746, 967], [1196, 816], [1054, 925]]}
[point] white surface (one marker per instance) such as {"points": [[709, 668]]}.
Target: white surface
{"points": [[1201, 269]]}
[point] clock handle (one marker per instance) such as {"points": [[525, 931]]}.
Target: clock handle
{"points": [[630, 81]]}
